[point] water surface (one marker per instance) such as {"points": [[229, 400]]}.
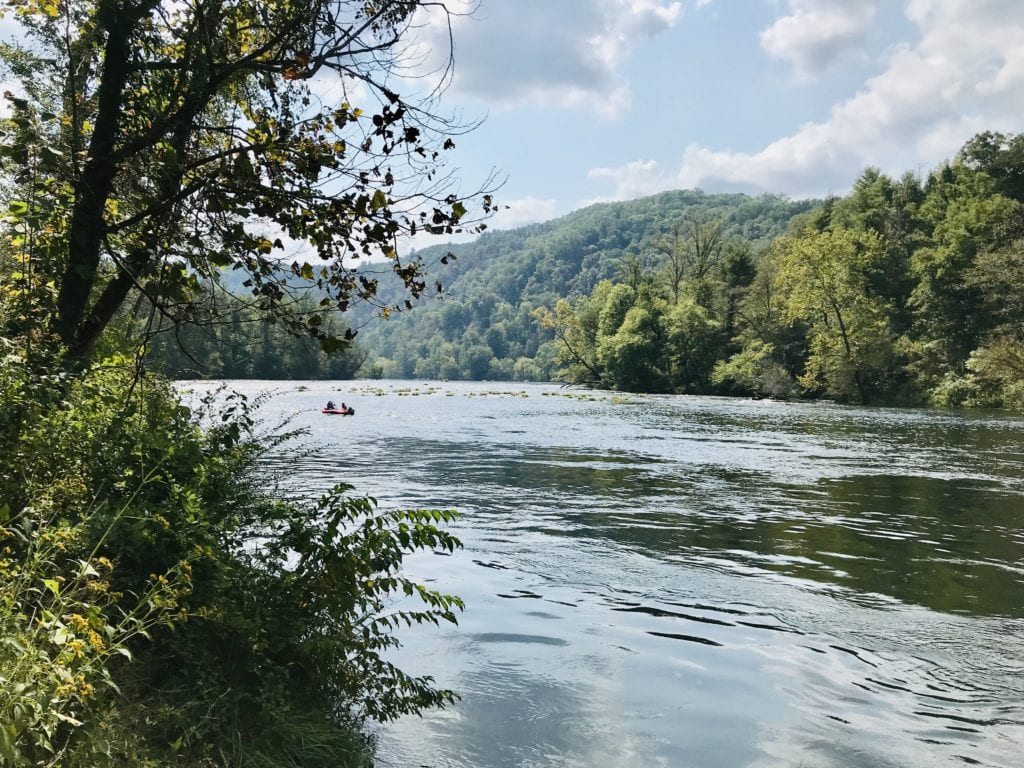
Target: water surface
{"points": [[686, 581]]}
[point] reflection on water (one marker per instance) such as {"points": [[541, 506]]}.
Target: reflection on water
{"points": [[698, 581]]}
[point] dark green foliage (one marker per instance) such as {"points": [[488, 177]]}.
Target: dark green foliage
{"points": [[632, 355], [159, 148], [1001, 157], [279, 642], [239, 341], [499, 280], [897, 293]]}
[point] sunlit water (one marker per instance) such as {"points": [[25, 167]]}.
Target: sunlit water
{"points": [[681, 581]]}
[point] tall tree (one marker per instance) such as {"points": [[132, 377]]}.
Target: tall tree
{"points": [[1001, 156], [822, 274], [704, 239], [674, 264], [966, 216], [634, 356], [193, 134]]}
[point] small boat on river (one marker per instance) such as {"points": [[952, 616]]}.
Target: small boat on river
{"points": [[350, 411]]}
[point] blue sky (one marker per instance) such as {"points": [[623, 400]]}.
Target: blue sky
{"points": [[589, 100], [595, 100]]}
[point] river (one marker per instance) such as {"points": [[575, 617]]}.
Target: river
{"points": [[689, 581]]}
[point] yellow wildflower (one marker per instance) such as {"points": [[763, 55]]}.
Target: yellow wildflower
{"points": [[77, 623]]}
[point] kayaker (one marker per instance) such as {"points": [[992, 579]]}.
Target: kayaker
{"points": [[330, 405], [344, 408]]}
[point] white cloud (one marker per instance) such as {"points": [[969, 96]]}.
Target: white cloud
{"points": [[635, 179], [525, 210], [964, 74], [569, 53], [329, 90], [818, 33]]}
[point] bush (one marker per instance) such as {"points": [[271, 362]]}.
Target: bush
{"points": [[954, 391], [280, 611], [63, 634]]}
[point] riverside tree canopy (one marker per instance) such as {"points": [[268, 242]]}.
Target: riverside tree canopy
{"points": [[152, 144]]}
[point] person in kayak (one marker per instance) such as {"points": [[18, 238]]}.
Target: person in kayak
{"points": [[330, 405]]}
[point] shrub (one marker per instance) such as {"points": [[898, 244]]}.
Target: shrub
{"points": [[280, 611], [63, 634]]}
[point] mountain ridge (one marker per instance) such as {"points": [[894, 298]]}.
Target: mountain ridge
{"points": [[495, 282]]}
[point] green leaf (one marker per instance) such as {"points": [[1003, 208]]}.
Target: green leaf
{"points": [[379, 200], [8, 740], [331, 344], [17, 207]]}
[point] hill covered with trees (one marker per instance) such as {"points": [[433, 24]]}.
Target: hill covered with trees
{"points": [[483, 326], [904, 291]]}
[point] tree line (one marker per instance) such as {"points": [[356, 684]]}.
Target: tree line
{"points": [[233, 339], [904, 291], [483, 326]]}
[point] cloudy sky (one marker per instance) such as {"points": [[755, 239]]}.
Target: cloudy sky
{"points": [[589, 100]]}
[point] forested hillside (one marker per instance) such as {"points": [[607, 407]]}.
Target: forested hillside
{"points": [[905, 290], [232, 338], [483, 325]]}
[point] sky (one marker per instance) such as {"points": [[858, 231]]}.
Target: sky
{"points": [[599, 100]]}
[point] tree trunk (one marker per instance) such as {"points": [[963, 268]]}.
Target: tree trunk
{"points": [[93, 187]]}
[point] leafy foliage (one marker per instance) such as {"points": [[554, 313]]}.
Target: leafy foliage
{"points": [[483, 326], [232, 339], [130, 515], [64, 634], [159, 143], [897, 293]]}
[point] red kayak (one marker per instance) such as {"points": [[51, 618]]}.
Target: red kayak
{"points": [[339, 412]]}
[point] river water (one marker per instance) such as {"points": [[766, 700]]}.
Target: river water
{"points": [[687, 581]]}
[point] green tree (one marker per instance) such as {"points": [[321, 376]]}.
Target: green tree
{"points": [[738, 271], [619, 300], [823, 277], [967, 217], [674, 265], [773, 349], [164, 134], [703, 248], [576, 346], [633, 271], [889, 210], [694, 343], [633, 358], [1001, 157]]}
